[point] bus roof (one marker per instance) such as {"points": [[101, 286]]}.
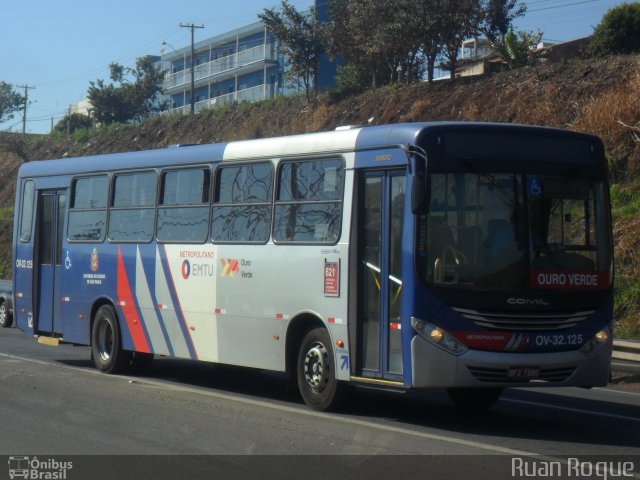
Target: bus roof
{"points": [[304, 144]]}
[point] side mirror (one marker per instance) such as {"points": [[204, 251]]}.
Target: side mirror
{"points": [[420, 186]]}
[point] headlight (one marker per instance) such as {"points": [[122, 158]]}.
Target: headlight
{"points": [[597, 342], [439, 337]]}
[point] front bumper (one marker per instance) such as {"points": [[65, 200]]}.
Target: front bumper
{"points": [[431, 366]]}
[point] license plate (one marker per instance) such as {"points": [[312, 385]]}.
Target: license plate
{"points": [[523, 372]]}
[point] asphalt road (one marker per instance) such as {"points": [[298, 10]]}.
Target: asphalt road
{"points": [[54, 403]]}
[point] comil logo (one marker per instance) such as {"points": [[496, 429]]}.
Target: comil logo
{"points": [[38, 469], [526, 301]]}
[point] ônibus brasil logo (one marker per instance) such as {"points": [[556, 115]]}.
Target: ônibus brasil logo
{"points": [[34, 468]]}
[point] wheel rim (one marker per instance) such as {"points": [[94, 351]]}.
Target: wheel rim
{"points": [[316, 367], [105, 340], [3, 314]]}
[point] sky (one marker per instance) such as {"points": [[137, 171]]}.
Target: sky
{"points": [[58, 47]]}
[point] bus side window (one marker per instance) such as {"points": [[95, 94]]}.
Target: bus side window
{"points": [[241, 209], [26, 219], [183, 213], [88, 209], [132, 213], [309, 201]]}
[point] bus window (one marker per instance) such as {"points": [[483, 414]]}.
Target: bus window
{"points": [[309, 203], [45, 228], [26, 219], [183, 213], [88, 209], [132, 211], [242, 203]]}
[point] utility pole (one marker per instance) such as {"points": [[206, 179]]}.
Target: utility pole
{"points": [[24, 108], [192, 27]]}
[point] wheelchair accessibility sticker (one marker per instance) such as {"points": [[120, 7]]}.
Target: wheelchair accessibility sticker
{"points": [[536, 186]]}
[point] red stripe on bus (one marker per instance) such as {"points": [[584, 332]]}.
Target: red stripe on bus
{"points": [[128, 308]]}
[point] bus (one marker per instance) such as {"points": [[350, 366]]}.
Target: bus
{"points": [[466, 256]]}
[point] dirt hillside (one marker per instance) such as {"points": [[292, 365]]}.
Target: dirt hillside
{"points": [[600, 96]]}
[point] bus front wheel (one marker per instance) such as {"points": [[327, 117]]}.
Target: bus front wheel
{"points": [[474, 399], [317, 382], [106, 342]]}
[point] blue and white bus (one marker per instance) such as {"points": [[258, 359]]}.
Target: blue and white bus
{"points": [[467, 256]]}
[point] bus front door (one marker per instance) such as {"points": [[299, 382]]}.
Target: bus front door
{"points": [[381, 211], [49, 233]]}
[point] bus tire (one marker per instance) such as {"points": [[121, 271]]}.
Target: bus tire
{"points": [[316, 371], [5, 318], [106, 342], [474, 399]]}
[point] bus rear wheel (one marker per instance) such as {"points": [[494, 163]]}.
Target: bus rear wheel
{"points": [[106, 342], [474, 399], [317, 382]]}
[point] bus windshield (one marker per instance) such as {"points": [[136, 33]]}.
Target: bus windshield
{"points": [[515, 232]]}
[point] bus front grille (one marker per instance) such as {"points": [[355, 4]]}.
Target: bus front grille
{"points": [[524, 321], [483, 374]]}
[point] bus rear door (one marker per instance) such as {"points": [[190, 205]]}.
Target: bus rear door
{"points": [[50, 219]]}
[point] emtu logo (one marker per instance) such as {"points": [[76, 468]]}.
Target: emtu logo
{"points": [[186, 269], [229, 267]]}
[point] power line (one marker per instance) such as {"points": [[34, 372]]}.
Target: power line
{"points": [[541, 9]]}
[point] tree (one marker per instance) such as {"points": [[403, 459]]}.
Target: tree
{"points": [[519, 49], [10, 102], [430, 28], [460, 19], [404, 35], [618, 32], [134, 98], [374, 33], [109, 103], [72, 122], [497, 17], [301, 41]]}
